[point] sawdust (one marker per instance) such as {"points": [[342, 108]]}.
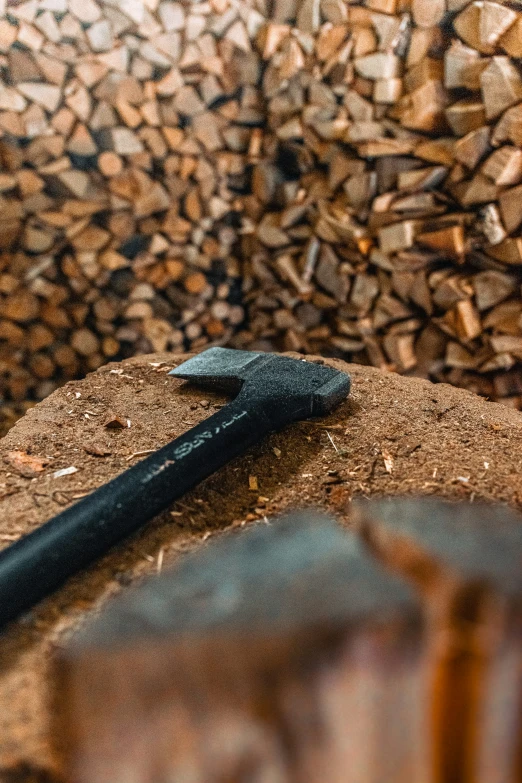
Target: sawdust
{"points": [[394, 435]]}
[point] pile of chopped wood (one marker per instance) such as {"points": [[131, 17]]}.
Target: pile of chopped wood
{"points": [[386, 203], [348, 175], [123, 153]]}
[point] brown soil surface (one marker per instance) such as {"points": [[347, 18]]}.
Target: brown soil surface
{"points": [[394, 435]]}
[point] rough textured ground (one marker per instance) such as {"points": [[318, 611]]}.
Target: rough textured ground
{"points": [[394, 435]]}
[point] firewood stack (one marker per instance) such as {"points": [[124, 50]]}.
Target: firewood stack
{"points": [[386, 208], [123, 128], [349, 175]]}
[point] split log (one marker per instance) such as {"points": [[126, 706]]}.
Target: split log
{"points": [[206, 680], [465, 560], [203, 677]]}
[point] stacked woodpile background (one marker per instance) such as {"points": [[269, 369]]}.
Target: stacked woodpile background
{"points": [[316, 175]]}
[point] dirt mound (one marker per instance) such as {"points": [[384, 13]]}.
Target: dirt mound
{"points": [[394, 435]]}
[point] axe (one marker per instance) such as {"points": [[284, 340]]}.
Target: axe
{"points": [[270, 392]]}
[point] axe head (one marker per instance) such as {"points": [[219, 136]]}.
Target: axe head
{"points": [[308, 388]]}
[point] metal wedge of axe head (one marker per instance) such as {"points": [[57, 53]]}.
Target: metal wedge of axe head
{"points": [[294, 388]]}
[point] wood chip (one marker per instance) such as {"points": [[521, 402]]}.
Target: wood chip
{"points": [[97, 449], [64, 472], [114, 421], [27, 465]]}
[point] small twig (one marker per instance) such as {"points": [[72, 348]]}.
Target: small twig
{"points": [[139, 454], [184, 507], [325, 426], [159, 564], [332, 441], [120, 374]]}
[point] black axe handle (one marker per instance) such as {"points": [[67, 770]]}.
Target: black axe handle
{"points": [[42, 561]]}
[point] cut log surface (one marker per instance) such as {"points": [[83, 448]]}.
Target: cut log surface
{"points": [[243, 645], [144, 143], [393, 436]]}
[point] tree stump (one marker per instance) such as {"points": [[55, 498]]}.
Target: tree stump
{"points": [[393, 436]]}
